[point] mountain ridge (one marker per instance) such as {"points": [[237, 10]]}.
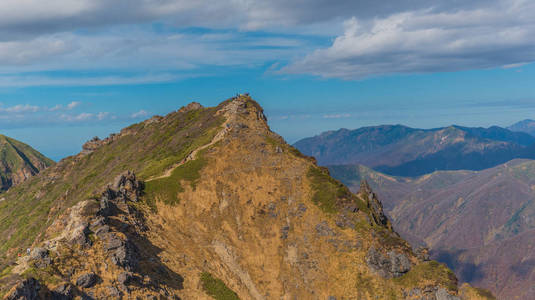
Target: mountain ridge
{"points": [[404, 151], [248, 215], [527, 126], [18, 162]]}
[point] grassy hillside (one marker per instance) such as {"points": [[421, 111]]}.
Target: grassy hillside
{"points": [[19, 161], [147, 148]]}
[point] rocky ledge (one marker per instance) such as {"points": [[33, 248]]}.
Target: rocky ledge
{"points": [[107, 228]]}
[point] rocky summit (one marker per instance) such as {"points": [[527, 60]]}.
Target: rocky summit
{"points": [[18, 162], [205, 203]]}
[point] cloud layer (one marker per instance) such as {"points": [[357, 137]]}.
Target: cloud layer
{"points": [[27, 115], [170, 39], [425, 41]]}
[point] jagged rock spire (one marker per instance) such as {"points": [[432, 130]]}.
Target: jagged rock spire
{"points": [[373, 203]]}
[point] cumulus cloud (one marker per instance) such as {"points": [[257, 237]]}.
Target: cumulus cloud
{"points": [[427, 41]]}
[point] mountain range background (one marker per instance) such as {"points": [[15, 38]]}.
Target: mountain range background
{"points": [[466, 193]]}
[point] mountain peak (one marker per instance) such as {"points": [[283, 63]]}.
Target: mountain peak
{"points": [[218, 204], [527, 126], [18, 162]]}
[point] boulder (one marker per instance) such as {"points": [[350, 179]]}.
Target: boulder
{"points": [[113, 293], [125, 278], [64, 291], [442, 294], [40, 257], [323, 229], [124, 257], [86, 280], [394, 264], [399, 263]]}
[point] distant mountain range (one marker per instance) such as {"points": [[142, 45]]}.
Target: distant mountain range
{"points": [[404, 151], [19, 162], [481, 223], [527, 126]]}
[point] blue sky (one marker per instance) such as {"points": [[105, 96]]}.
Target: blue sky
{"points": [[70, 70]]}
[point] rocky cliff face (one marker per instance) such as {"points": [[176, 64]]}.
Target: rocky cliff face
{"points": [[18, 162], [210, 204]]}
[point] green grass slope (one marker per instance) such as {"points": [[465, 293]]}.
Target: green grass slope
{"points": [[18, 161]]}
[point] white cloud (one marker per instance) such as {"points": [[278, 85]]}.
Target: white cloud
{"points": [[139, 114], [84, 117], [423, 41], [31, 16], [28, 115], [20, 108], [102, 115], [20, 52], [380, 37], [42, 80], [73, 105]]}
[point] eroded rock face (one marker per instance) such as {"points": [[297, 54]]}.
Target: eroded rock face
{"points": [[393, 264], [430, 293], [27, 289], [100, 225], [64, 291], [87, 280], [40, 257], [373, 203]]}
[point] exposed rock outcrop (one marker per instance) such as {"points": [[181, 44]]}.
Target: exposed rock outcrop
{"points": [[191, 106], [373, 203], [86, 280], [27, 289], [393, 264]]}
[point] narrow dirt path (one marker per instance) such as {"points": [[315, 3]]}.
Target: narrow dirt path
{"points": [[193, 155], [229, 112]]}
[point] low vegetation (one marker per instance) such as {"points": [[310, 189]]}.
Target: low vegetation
{"points": [[326, 189], [148, 149], [429, 269], [216, 288], [166, 189]]}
